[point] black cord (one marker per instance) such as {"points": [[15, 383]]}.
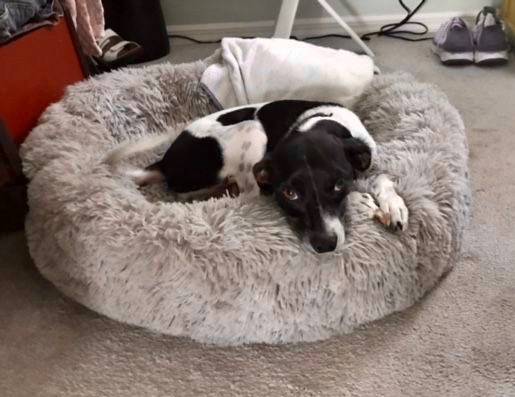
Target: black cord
{"points": [[388, 30], [180, 36], [391, 29], [323, 36]]}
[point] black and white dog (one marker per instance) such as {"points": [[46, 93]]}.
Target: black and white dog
{"points": [[307, 154]]}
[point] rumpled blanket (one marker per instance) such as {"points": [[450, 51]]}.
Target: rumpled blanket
{"points": [[261, 70]]}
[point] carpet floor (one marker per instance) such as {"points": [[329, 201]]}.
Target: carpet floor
{"points": [[458, 341]]}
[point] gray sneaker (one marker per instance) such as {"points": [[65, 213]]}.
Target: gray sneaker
{"points": [[453, 43], [489, 38]]}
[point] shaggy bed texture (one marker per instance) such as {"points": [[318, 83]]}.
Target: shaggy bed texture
{"points": [[233, 271]]}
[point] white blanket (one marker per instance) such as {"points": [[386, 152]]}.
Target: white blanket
{"points": [[261, 70]]}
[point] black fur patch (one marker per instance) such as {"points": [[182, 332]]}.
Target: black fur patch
{"points": [[191, 163], [278, 117], [332, 127], [237, 116], [359, 153]]}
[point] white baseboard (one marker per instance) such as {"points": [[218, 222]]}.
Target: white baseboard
{"points": [[309, 26]]}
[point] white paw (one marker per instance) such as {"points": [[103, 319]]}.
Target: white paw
{"points": [[395, 211]]}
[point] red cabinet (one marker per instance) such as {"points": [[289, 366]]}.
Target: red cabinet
{"points": [[34, 71]]}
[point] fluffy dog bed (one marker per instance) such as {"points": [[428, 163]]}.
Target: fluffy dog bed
{"points": [[233, 271]]}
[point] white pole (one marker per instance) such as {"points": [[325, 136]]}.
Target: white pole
{"points": [[346, 27], [285, 19]]}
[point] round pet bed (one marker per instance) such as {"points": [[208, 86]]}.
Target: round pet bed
{"points": [[232, 270]]}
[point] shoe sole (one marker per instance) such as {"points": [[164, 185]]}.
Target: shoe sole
{"points": [[454, 58], [491, 58]]}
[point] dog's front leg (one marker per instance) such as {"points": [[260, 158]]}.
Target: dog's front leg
{"points": [[395, 212]]}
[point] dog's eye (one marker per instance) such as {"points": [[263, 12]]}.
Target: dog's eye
{"points": [[290, 194], [339, 185]]}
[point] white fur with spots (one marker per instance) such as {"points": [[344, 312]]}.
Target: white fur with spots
{"points": [[243, 145]]}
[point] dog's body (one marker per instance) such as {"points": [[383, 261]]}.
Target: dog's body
{"points": [[306, 153]]}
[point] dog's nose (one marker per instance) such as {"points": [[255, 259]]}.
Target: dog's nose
{"points": [[324, 243]]}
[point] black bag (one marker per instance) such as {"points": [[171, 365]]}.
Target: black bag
{"points": [[141, 21]]}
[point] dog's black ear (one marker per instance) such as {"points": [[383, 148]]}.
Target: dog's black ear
{"points": [[359, 153], [263, 174]]}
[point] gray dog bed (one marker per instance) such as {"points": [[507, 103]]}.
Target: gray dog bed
{"points": [[233, 271]]}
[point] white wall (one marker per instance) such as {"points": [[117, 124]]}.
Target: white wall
{"points": [[184, 12]]}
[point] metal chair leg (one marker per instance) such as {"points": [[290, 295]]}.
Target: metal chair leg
{"points": [[285, 19], [346, 27]]}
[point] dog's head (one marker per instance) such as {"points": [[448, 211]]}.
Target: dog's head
{"points": [[310, 173]]}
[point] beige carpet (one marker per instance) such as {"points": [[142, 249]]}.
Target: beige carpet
{"points": [[459, 341]]}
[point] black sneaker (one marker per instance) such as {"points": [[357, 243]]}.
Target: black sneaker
{"points": [[491, 44], [453, 43]]}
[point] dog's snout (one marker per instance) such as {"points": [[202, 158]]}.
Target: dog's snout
{"points": [[324, 242]]}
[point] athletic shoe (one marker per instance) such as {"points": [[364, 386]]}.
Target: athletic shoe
{"points": [[453, 43], [491, 44]]}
